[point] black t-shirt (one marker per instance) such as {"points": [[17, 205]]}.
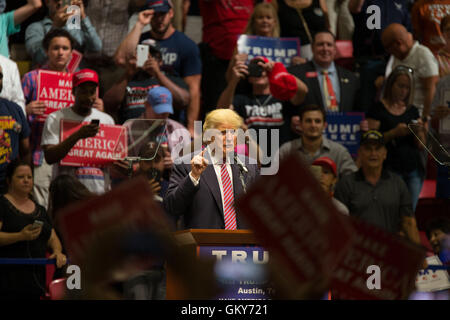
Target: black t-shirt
{"points": [[291, 24], [23, 279], [133, 104], [265, 112], [403, 155]]}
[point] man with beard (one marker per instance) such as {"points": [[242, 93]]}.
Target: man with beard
{"points": [[85, 83], [312, 144], [180, 54], [14, 133]]}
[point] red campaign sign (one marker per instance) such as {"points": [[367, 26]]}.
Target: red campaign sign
{"points": [[296, 221], [55, 89], [74, 62], [128, 207], [398, 259], [108, 145]]}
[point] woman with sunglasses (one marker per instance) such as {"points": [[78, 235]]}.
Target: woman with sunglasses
{"points": [[391, 116]]}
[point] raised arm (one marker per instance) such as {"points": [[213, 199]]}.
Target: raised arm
{"points": [[193, 111], [238, 71], [302, 91], [128, 46], [115, 95], [180, 95], [24, 12], [91, 40]]}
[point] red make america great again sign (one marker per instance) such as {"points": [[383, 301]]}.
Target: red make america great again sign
{"points": [[55, 89], [108, 145]]}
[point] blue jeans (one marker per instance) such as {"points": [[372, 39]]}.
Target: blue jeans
{"points": [[414, 182]]}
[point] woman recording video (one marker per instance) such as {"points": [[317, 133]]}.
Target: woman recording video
{"points": [[25, 232]]}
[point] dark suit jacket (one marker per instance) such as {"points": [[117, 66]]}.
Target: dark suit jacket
{"points": [[349, 86], [201, 206]]}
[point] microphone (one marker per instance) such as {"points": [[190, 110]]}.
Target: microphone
{"points": [[240, 164]]}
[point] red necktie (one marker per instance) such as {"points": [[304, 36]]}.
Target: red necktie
{"points": [[330, 96], [228, 202]]}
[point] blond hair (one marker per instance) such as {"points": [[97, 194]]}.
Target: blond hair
{"points": [[218, 117], [261, 8]]}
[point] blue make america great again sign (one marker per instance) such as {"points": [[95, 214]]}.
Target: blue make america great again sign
{"points": [[240, 271], [344, 128], [275, 49]]}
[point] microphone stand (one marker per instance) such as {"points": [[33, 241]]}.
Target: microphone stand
{"points": [[242, 169]]}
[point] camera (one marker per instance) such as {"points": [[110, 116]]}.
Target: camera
{"points": [[254, 69]]}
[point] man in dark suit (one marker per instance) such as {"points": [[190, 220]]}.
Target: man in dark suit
{"points": [[203, 188], [340, 84]]}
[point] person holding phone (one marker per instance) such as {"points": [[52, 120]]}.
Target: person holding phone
{"points": [[86, 37], [391, 116], [58, 45], [26, 231], [85, 84], [268, 106], [180, 54]]}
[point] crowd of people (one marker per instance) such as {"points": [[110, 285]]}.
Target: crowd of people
{"points": [[399, 75]]}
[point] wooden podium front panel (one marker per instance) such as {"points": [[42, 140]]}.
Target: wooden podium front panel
{"points": [[202, 237]]}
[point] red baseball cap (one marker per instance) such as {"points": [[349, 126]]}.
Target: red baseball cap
{"points": [[325, 161], [85, 75], [283, 85]]}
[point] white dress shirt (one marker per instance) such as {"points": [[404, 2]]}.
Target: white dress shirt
{"points": [[217, 161], [12, 87]]}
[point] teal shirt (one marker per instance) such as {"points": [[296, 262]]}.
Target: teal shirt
{"points": [[7, 28]]}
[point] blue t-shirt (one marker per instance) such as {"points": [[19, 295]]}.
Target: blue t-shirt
{"points": [[180, 54], [13, 128]]}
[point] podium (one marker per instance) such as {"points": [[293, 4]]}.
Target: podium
{"points": [[194, 241]]}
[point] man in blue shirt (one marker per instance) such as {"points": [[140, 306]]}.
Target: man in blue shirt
{"points": [[180, 54]]}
